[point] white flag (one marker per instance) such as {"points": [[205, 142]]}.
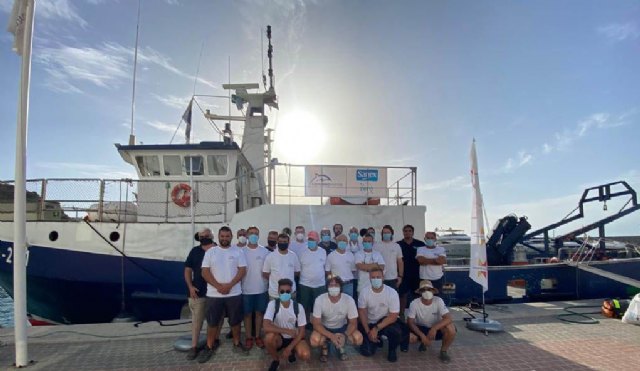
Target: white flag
{"points": [[16, 24], [478, 270]]}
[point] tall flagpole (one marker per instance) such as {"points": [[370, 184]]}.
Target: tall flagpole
{"points": [[20, 198]]}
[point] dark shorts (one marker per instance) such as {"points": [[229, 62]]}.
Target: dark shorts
{"points": [[285, 343], [217, 307], [307, 296], [340, 330], [425, 330], [409, 285], [255, 303], [392, 283]]}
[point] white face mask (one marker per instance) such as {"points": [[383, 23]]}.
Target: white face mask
{"points": [[242, 240], [334, 291], [300, 236], [427, 295]]}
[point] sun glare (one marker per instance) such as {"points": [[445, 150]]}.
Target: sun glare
{"points": [[299, 137]]}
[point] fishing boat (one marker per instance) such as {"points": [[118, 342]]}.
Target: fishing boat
{"points": [[100, 247]]}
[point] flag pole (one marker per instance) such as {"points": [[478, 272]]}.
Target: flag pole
{"points": [[20, 198]]}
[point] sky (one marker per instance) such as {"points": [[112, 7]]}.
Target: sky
{"points": [[549, 90]]}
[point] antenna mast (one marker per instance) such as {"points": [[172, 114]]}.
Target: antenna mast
{"points": [[270, 56], [132, 137]]}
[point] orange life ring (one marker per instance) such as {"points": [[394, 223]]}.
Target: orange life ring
{"points": [[181, 195]]}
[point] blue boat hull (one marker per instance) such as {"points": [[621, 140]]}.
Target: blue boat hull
{"points": [[67, 286]]}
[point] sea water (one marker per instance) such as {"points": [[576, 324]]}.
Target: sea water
{"points": [[6, 309]]}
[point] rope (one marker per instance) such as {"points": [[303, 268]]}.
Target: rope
{"points": [[120, 252]]}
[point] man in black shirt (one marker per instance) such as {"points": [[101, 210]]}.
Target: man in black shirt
{"points": [[272, 240], [411, 278], [197, 288]]}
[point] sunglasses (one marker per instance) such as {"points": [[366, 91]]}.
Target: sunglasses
{"points": [[285, 291]]}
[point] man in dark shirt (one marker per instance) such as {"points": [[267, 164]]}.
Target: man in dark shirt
{"points": [[272, 240], [411, 278], [197, 287], [325, 241]]}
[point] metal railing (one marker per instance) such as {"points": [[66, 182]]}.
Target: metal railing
{"points": [[150, 200]]}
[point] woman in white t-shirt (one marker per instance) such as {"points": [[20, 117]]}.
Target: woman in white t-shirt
{"points": [[335, 320]]}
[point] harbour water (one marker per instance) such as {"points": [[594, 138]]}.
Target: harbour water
{"points": [[6, 309]]}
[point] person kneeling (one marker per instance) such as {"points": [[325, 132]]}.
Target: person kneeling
{"points": [[284, 322], [335, 320], [429, 319]]}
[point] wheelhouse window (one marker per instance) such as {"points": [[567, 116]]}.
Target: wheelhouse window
{"points": [[148, 165], [217, 164], [172, 166], [197, 165]]}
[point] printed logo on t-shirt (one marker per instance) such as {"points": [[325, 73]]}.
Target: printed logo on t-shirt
{"points": [[382, 305], [290, 265]]}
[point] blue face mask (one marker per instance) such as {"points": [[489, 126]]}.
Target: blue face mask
{"points": [[326, 238], [353, 236], [285, 297], [376, 283], [253, 239], [386, 236], [312, 244], [342, 245], [430, 243], [367, 246]]}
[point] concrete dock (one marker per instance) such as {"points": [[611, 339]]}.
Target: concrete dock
{"points": [[534, 339]]}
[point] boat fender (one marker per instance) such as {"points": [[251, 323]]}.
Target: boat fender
{"points": [[181, 195], [183, 343]]}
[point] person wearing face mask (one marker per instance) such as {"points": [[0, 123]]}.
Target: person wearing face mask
{"points": [[342, 263], [312, 283], [335, 320], [223, 268], [367, 260], [432, 258], [284, 323], [337, 230], [392, 254], [430, 320], [241, 235], [372, 232], [299, 242], [411, 278], [325, 241], [280, 264], [378, 309], [354, 243], [197, 288], [254, 288], [272, 240]]}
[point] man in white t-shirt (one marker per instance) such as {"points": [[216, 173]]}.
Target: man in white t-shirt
{"points": [[342, 263], [392, 254], [279, 264], [335, 320], [299, 243], [223, 269], [378, 309], [367, 260], [284, 323], [432, 258], [354, 243], [254, 288], [430, 320], [312, 277]]}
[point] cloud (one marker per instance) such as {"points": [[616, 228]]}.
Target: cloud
{"points": [[458, 182], [88, 169], [168, 128], [521, 160], [106, 66], [51, 10], [546, 148], [174, 101], [617, 32]]}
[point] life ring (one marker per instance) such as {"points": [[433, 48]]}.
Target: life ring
{"points": [[181, 195]]}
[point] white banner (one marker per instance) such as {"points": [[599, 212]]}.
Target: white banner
{"points": [[345, 181], [478, 270]]}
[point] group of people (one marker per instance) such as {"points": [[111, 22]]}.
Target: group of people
{"points": [[313, 281]]}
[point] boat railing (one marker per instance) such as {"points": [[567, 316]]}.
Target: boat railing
{"points": [[290, 184], [216, 201]]}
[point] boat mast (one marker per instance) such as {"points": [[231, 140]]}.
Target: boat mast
{"points": [[132, 137]]}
